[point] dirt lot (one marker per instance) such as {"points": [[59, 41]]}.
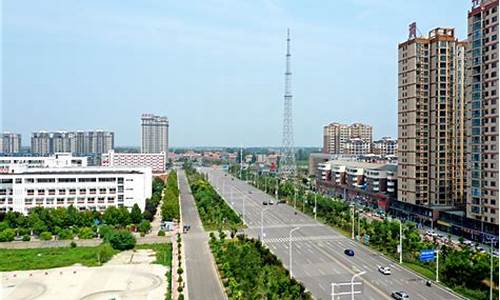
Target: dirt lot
{"points": [[129, 275]]}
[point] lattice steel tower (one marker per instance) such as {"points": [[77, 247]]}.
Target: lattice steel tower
{"points": [[287, 167]]}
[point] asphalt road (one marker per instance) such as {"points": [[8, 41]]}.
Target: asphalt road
{"points": [[202, 279], [318, 250]]}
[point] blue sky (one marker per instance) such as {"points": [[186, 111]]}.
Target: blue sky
{"points": [[215, 68]]}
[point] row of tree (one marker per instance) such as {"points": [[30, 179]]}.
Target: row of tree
{"points": [[251, 271], [170, 209], [214, 211], [153, 202], [461, 269]]}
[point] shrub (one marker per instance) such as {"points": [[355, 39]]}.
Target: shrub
{"points": [[73, 244], [86, 233], [179, 288], [26, 238], [7, 235], [23, 231], [181, 296], [45, 236], [180, 271], [105, 252], [161, 233], [122, 240], [105, 232], [65, 234]]}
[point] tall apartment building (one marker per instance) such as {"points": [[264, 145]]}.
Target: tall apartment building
{"points": [[78, 142], [10, 142], [336, 135], [355, 146], [429, 113], [154, 134], [482, 113]]}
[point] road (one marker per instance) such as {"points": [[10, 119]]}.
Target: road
{"points": [[318, 250], [202, 279]]}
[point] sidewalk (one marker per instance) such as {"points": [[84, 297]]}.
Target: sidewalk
{"points": [[202, 278]]}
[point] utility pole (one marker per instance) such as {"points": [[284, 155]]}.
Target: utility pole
{"points": [[295, 197], [491, 269], [276, 192], [352, 229]]}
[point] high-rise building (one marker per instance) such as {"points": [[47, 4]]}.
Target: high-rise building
{"points": [[154, 134], [355, 146], [10, 142], [429, 114], [482, 113], [336, 135], [79, 142]]}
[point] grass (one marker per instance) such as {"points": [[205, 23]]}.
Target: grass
{"points": [[426, 272], [163, 257], [46, 258]]}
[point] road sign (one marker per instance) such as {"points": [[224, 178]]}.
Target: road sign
{"points": [[427, 255]]}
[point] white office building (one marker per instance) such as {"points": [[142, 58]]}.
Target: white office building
{"points": [[58, 160], [94, 188], [156, 161]]}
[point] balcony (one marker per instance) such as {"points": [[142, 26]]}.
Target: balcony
{"points": [[390, 183], [390, 189]]}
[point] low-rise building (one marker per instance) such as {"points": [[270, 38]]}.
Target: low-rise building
{"points": [[374, 183], [94, 188], [385, 146], [156, 161]]}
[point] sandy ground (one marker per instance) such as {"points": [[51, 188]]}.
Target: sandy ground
{"points": [[129, 275]]}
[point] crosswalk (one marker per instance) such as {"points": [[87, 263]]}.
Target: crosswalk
{"points": [[303, 239]]}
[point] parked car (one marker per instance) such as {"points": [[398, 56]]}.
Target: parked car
{"points": [[400, 295], [281, 201], [384, 270], [271, 202], [349, 252], [264, 203], [249, 192]]}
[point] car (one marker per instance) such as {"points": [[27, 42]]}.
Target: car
{"points": [[428, 232], [281, 201], [271, 202], [384, 270], [264, 203], [249, 192], [400, 295], [349, 252]]}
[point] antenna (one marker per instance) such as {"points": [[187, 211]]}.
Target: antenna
{"points": [[287, 167]]}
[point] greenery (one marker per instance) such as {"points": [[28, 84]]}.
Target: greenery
{"points": [[45, 236], [214, 211], [144, 226], [251, 271], [170, 209], [135, 214], [45, 258], [464, 271], [7, 235], [153, 202], [122, 240]]}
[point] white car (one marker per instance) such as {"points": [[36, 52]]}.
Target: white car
{"points": [[384, 270]]}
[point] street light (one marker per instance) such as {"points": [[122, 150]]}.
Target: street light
{"points": [[401, 242], [352, 283], [290, 249], [352, 221], [295, 197], [262, 222], [315, 205]]}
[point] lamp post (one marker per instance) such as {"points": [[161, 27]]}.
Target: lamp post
{"points": [[315, 205], [352, 283], [295, 197], [262, 222], [491, 269], [290, 249], [401, 243], [276, 192], [352, 223]]}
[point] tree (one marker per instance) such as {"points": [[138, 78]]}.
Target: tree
{"points": [[144, 226], [65, 234], [135, 214], [122, 240]]}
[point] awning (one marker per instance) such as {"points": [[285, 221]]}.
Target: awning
{"points": [[444, 223]]}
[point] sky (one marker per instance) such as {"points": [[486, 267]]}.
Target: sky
{"points": [[213, 67]]}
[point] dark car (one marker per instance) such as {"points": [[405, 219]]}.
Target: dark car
{"points": [[264, 203], [349, 252], [281, 201]]}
